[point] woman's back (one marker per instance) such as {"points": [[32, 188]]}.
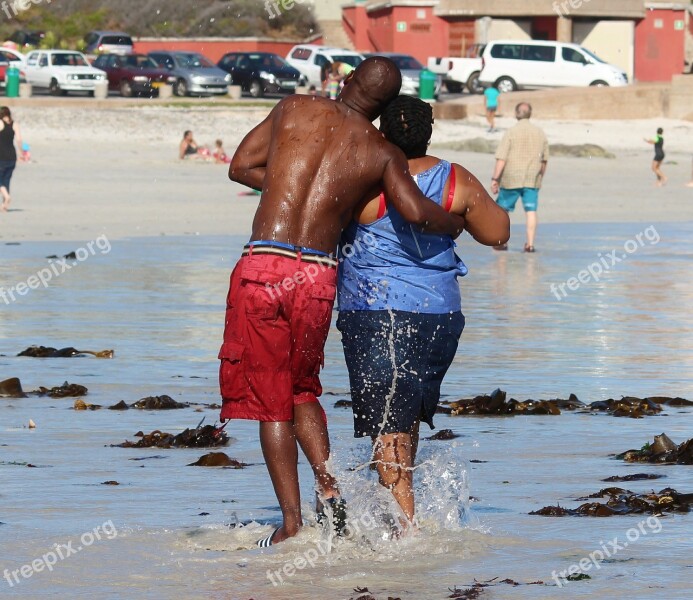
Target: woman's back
{"points": [[7, 149]]}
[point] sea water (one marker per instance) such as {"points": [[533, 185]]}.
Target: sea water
{"points": [[174, 531]]}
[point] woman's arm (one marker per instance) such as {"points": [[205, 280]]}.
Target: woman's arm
{"points": [[181, 149], [18, 139], [487, 222]]}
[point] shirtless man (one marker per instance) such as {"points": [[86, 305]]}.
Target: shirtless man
{"points": [[314, 160]]}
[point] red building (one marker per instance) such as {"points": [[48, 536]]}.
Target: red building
{"points": [[651, 41]]}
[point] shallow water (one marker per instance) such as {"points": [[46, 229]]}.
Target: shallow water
{"points": [[159, 303]]}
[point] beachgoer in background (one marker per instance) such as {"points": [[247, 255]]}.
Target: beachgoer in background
{"points": [[658, 143], [491, 95], [399, 300], [282, 290], [188, 147], [521, 161], [325, 77], [26, 152], [219, 154], [9, 136], [334, 79]]}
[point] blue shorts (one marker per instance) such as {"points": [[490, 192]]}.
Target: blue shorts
{"points": [[422, 348], [508, 198]]}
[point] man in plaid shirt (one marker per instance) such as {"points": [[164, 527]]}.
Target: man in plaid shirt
{"points": [[520, 166]]}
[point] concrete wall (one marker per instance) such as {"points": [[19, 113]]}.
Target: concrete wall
{"points": [[532, 8], [509, 29], [215, 48], [642, 101], [326, 10], [612, 41]]}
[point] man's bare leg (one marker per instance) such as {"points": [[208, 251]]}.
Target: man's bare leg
{"points": [[531, 227], [394, 461], [311, 432], [281, 455]]}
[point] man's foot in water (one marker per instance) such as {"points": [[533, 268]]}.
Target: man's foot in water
{"points": [[337, 517]]}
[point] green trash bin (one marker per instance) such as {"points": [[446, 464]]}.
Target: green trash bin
{"points": [[12, 82], [427, 85]]}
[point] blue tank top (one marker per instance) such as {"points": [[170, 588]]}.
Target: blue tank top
{"points": [[391, 264]]}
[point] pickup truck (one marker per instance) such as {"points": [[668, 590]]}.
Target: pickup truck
{"points": [[460, 72]]}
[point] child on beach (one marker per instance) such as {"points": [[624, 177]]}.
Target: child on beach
{"points": [[491, 94], [658, 143], [220, 156]]}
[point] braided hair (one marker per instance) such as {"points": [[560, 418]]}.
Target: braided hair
{"points": [[407, 122]]}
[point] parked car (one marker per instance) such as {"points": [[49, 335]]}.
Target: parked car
{"points": [[61, 71], [116, 42], [261, 72], [8, 55], [411, 71], [133, 74], [3, 75], [511, 65], [194, 74], [11, 57], [310, 58], [27, 37], [460, 72]]}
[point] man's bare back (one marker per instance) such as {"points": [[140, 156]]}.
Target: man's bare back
{"points": [[315, 160]]}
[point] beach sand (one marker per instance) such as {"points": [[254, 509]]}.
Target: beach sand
{"points": [[116, 172]]}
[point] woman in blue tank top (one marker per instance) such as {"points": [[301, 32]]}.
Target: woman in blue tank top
{"points": [[399, 299]]}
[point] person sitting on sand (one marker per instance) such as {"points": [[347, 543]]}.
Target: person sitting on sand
{"points": [[188, 147], [281, 292], [399, 299], [658, 143], [219, 154]]}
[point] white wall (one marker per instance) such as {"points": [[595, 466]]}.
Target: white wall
{"points": [[327, 10], [509, 29], [612, 41]]}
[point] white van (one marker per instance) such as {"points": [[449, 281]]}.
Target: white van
{"points": [[517, 64]]}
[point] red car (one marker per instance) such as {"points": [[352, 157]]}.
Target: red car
{"points": [[133, 73]]}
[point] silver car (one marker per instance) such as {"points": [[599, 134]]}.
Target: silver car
{"points": [[411, 70], [194, 73]]}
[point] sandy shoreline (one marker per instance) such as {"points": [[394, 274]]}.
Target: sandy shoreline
{"points": [[115, 172]]}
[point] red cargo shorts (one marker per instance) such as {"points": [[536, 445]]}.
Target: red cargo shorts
{"points": [[278, 314]]}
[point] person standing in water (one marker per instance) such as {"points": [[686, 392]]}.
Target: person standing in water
{"points": [[658, 143], [521, 160], [399, 299], [9, 136], [314, 161]]}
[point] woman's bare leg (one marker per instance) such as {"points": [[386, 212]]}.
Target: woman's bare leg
{"points": [[6, 199], [393, 453]]}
